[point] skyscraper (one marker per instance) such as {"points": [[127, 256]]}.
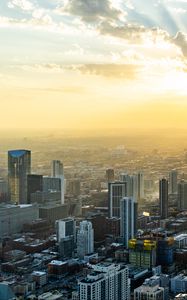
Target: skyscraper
{"points": [[85, 239], [135, 185], [128, 214], [124, 177], [163, 198], [110, 175], [65, 228], [173, 182], [57, 170], [140, 186], [19, 166], [51, 184], [116, 191], [182, 195], [66, 236], [107, 282], [34, 184]]}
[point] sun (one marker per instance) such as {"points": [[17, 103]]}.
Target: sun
{"points": [[176, 81]]}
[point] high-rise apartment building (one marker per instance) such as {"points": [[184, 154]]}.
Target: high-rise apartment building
{"points": [[107, 282], [57, 170], [135, 185], [163, 198], [85, 239], [19, 166], [140, 186], [129, 179], [128, 222], [182, 195], [116, 191], [173, 175]]}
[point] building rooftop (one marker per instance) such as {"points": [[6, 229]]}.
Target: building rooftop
{"points": [[58, 262], [180, 236], [17, 153], [6, 292], [180, 277], [50, 296], [38, 273]]}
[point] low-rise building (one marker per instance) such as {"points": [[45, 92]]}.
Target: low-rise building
{"points": [[179, 284], [39, 277], [149, 290]]}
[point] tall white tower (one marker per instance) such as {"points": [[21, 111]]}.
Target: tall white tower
{"points": [[57, 170], [85, 239]]}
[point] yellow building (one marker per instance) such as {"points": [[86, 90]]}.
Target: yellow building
{"points": [[142, 253]]}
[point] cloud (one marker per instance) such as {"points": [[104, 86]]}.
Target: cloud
{"points": [[45, 22], [181, 41], [125, 71], [131, 32], [124, 31], [25, 5], [69, 89], [38, 16], [128, 71], [43, 68], [91, 11]]}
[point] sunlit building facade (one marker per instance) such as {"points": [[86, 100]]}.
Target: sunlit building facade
{"points": [[57, 171], [19, 166]]}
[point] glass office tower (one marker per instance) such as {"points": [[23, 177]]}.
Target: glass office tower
{"points": [[19, 166]]}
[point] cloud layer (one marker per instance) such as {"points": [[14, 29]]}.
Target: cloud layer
{"points": [[92, 11]]}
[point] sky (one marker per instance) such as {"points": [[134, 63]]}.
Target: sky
{"points": [[93, 64]]}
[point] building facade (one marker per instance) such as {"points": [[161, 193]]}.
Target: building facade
{"points": [[85, 239], [34, 184], [57, 170], [163, 198], [182, 195], [173, 178], [19, 166], [150, 290], [13, 217], [128, 221], [106, 282], [116, 192]]}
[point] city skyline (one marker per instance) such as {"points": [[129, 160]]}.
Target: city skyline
{"points": [[83, 64]]}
